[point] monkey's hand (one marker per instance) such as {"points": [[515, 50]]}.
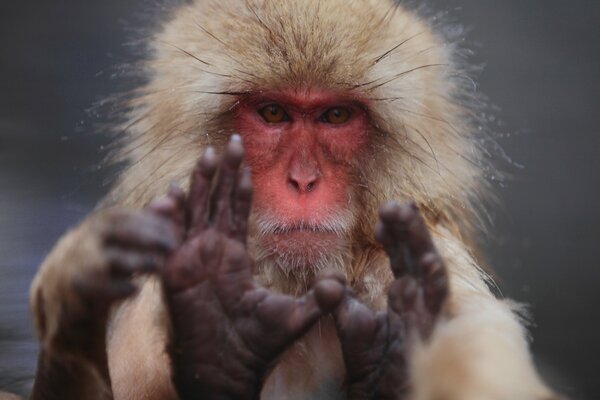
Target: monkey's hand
{"points": [[227, 330], [88, 270], [376, 346]]}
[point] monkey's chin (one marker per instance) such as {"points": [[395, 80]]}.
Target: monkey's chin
{"points": [[303, 248]]}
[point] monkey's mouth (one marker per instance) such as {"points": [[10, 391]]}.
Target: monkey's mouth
{"points": [[302, 242], [301, 237], [332, 227], [302, 228], [301, 246]]}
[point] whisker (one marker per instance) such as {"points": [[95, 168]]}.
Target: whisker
{"points": [[404, 73], [187, 53], [390, 51]]}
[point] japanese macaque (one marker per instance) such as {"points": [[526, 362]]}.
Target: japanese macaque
{"points": [[304, 125]]}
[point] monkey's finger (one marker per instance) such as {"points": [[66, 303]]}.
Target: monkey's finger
{"points": [[406, 299], [289, 315], [435, 282], [396, 250], [227, 181], [418, 237], [331, 274], [391, 214], [141, 230], [124, 263], [354, 321], [171, 206], [101, 292], [187, 266], [329, 293], [234, 275], [163, 206], [198, 203], [407, 226], [242, 205], [402, 295]]}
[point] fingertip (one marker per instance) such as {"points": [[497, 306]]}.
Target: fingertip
{"points": [[176, 192], [389, 211], [209, 153], [208, 162], [407, 212], [162, 205], [329, 293], [234, 153], [333, 274], [236, 138]]}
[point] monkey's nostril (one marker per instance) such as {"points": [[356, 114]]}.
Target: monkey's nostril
{"points": [[302, 185], [294, 185]]}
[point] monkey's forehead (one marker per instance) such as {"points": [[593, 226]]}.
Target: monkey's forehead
{"points": [[340, 44]]}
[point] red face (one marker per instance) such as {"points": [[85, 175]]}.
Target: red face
{"points": [[300, 147]]}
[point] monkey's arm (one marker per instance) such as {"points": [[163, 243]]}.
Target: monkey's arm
{"points": [[481, 352], [228, 331], [84, 275]]}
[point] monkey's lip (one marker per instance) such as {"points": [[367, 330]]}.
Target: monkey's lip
{"points": [[306, 233]]}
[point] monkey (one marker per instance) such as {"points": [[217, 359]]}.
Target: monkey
{"points": [[342, 107]]}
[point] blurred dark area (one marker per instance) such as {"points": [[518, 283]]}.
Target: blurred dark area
{"points": [[542, 71]]}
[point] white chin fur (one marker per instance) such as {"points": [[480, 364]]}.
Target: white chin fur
{"points": [[294, 271]]}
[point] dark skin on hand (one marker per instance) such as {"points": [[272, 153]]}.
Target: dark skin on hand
{"points": [[227, 331], [376, 345]]}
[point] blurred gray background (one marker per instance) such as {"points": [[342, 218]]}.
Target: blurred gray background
{"points": [[542, 71]]}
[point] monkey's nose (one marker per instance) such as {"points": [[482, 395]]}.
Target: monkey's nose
{"points": [[303, 182]]}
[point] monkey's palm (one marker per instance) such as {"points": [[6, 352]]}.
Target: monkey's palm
{"points": [[228, 331]]}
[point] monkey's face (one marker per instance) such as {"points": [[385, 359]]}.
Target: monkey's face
{"points": [[301, 148], [295, 78]]}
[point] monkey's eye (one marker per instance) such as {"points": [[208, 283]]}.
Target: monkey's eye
{"points": [[274, 114], [336, 116]]}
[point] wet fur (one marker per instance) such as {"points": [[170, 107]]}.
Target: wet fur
{"points": [[423, 147]]}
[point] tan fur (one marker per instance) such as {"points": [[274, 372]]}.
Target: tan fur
{"points": [[52, 294], [422, 148]]}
